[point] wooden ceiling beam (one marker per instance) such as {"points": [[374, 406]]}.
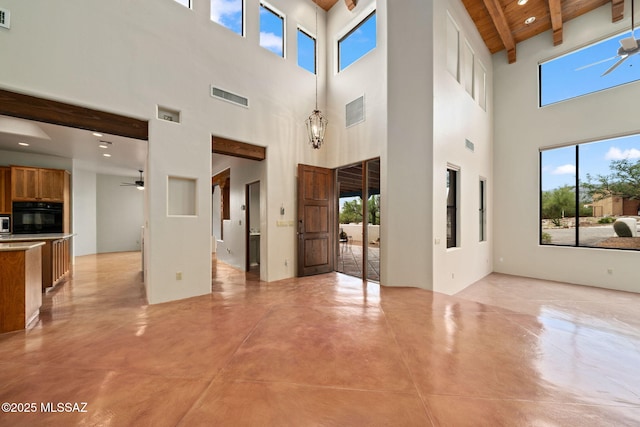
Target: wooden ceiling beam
{"points": [[233, 148], [502, 26], [555, 10], [350, 4], [617, 10], [28, 107]]}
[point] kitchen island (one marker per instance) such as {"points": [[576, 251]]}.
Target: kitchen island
{"points": [[56, 254], [20, 284]]}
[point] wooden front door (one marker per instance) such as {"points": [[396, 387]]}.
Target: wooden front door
{"points": [[316, 217]]}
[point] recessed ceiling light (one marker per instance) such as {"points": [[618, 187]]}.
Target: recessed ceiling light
{"points": [[97, 134], [530, 20], [103, 146], [24, 144], [522, 2], [107, 155]]}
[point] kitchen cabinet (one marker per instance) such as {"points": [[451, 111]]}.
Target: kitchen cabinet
{"points": [[55, 258], [60, 259], [21, 291], [5, 190], [37, 184], [56, 261]]}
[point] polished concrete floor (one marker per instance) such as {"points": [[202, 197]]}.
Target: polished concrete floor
{"points": [[327, 350]]}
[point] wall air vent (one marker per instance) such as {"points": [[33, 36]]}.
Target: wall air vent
{"points": [[355, 112], [229, 97], [5, 18], [470, 145]]}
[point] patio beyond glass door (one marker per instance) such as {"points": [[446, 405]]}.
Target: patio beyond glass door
{"points": [[357, 246]]}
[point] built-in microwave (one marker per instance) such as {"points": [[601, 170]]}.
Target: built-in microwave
{"points": [[5, 224], [37, 217]]}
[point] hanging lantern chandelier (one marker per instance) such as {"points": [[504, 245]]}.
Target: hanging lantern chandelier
{"points": [[316, 123]]}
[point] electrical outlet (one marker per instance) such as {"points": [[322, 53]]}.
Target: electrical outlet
{"points": [[178, 275], [609, 270]]}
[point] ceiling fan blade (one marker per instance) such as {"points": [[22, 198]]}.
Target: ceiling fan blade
{"points": [[614, 66], [595, 63]]}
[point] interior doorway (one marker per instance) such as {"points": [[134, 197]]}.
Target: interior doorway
{"points": [[252, 221], [358, 234]]}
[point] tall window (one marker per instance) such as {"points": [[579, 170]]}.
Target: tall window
{"points": [[357, 42], [271, 29], [306, 51], [582, 71], [452, 208], [482, 211], [229, 14], [590, 194]]}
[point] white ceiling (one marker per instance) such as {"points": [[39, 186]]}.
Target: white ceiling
{"points": [[127, 155]]}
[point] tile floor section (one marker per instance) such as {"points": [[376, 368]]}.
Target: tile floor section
{"points": [[327, 350]]}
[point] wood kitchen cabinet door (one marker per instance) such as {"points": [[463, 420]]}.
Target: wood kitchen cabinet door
{"points": [[51, 184], [24, 183], [5, 190], [35, 184]]}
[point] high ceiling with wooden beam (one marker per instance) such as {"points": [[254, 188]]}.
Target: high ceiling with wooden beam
{"points": [[501, 23]]}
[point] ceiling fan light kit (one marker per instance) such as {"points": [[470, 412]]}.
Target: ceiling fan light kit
{"points": [[139, 184]]}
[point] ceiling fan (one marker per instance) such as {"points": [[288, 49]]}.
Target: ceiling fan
{"points": [[139, 184], [629, 46]]}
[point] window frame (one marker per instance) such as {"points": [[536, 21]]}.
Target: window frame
{"points": [[188, 5], [302, 31], [453, 206], [482, 210], [579, 186], [242, 19], [274, 11], [617, 36], [368, 15]]}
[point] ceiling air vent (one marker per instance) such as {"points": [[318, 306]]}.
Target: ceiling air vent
{"points": [[229, 97], [5, 18], [355, 112]]}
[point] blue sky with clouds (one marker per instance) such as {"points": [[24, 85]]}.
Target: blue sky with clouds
{"points": [[558, 166]]}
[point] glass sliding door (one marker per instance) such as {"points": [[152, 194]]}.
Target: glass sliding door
{"points": [[373, 220], [350, 220], [358, 246]]}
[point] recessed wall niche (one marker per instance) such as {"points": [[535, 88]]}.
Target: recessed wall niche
{"points": [[168, 114], [181, 200]]}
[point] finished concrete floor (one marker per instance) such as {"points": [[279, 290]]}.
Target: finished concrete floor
{"points": [[328, 350]]}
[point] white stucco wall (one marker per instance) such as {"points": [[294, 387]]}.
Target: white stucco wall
{"points": [[119, 214], [128, 57], [457, 116], [133, 56], [84, 197], [521, 129]]}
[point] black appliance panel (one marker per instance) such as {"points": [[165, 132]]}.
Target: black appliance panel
{"points": [[37, 217]]}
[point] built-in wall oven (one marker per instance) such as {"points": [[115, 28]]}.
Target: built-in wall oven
{"points": [[37, 217]]}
